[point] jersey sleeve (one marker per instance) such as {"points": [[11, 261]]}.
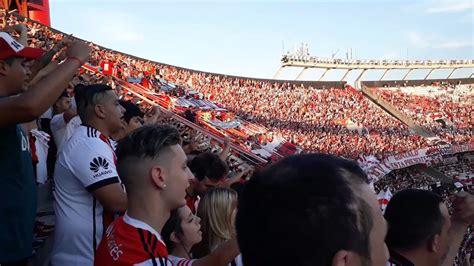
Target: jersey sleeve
{"points": [[175, 261], [57, 122], [93, 164]]}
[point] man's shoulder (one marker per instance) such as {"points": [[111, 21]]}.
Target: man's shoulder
{"points": [[86, 138]]}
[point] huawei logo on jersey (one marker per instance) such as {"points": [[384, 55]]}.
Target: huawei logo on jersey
{"points": [[97, 163]]}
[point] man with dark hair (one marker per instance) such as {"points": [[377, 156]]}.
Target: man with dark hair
{"points": [[421, 232], [88, 190], [152, 165], [132, 119], [312, 209], [209, 170], [21, 102], [63, 113]]}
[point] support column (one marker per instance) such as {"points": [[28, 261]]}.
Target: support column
{"points": [[324, 74], [301, 73], [345, 75], [278, 73], [454, 69], [356, 82], [429, 74], [409, 71], [384, 73]]}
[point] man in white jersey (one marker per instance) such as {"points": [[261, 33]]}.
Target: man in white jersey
{"points": [[63, 114], [88, 190]]}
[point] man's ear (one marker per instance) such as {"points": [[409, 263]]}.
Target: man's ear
{"points": [[433, 243], [3, 68], [157, 177], [100, 111], [346, 258]]}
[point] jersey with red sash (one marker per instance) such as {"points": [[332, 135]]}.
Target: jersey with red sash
{"points": [[128, 241]]}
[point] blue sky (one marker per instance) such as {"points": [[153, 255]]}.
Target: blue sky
{"points": [[247, 37]]}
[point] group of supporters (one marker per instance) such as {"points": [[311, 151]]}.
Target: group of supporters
{"points": [[132, 188], [447, 114]]}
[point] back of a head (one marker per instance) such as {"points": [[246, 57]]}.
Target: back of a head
{"points": [[413, 216], [131, 110], [216, 212], [208, 165], [87, 97], [302, 210], [145, 143]]}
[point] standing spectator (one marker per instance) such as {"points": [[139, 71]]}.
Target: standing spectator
{"points": [[88, 190], [63, 113], [209, 171], [217, 210], [17, 182], [421, 232], [312, 209], [182, 231], [132, 119], [153, 168]]}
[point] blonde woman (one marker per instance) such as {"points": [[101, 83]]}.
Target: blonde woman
{"points": [[217, 210]]}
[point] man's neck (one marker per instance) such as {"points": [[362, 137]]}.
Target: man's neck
{"points": [[155, 215], [417, 257], [190, 191], [99, 126]]}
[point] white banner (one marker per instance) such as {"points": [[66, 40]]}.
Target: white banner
{"points": [[376, 169]]}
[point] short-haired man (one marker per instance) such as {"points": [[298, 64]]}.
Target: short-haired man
{"points": [[152, 165], [20, 103], [421, 231], [133, 118], [63, 113], [312, 209], [209, 170], [88, 190]]}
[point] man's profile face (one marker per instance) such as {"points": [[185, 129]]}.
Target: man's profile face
{"points": [[444, 235], [114, 111], [17, 74], [201, 187], [379, 254]]}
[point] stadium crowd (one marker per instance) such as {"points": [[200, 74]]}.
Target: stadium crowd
{"points": [[449, 119], [134, 185]]}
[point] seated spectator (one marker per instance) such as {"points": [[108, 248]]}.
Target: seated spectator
{"points": [[209, 170], [421, 232], [153, 168], [88, 191], [182, 231], [290, 214], [22, 103], [217, 210]]}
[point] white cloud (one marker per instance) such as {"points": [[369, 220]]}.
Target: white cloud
{"points": [[451, 7], [416, 39], [454, 44]]}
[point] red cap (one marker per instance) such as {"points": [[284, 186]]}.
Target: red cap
{"points": [[10, 47]]}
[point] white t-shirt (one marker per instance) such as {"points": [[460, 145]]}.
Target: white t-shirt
{"points": [[86, 163], [58, 128], [41, 145], [71, 127]]}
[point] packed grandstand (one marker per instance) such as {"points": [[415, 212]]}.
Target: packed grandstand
{"points": [[266, 120]]}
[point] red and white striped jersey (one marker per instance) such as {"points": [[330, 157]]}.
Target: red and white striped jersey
{"points": [[128, 241]]}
